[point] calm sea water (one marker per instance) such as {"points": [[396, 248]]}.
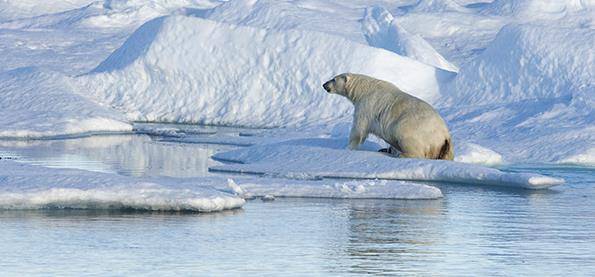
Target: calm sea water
{"points": [[472, 231]]}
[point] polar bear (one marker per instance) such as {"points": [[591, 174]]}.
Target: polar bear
{"points": [[410, 125]]}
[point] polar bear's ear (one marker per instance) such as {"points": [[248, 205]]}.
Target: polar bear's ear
{"points": [[347, 77]]}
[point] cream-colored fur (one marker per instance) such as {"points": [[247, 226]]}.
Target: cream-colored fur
{"points": [[410, 125]]}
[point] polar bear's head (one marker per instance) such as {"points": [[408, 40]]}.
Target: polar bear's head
{"points": [[338, 84]]}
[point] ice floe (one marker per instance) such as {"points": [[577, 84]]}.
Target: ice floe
{"points": [[25, 186], [328, 158], [347, 189]]}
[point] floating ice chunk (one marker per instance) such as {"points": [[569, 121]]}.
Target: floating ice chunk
{"points": [[24, 186], [138, 196], [378, 189], [33, 187], [268, 198], [288, 159]]}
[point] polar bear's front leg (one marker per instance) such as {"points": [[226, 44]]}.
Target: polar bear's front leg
{"points": [[359, 132]]}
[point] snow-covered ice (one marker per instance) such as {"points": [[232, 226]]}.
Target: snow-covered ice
{"points": [[25, 186], [357, 189], [329, 158]]}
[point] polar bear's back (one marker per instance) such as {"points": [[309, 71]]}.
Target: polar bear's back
{"points": [[412, 116]]}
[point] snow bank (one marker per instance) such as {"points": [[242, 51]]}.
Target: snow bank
{"points": [[529, 94], [105, 14], [337, 18], [545, 9], [38, 104], [526, 131], [383, 31], [211, 78], [476, 154], [434, 6], [586, 158], [32, 187], [530, 62], [120, 13], [319, 158]]}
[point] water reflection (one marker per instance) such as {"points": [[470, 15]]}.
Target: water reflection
{"points": [[474, 230], [132, 155], [388, 237], [463, 234], [48, 215]]}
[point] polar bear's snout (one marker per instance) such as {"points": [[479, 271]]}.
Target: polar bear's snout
{"points": [[327, 86]]}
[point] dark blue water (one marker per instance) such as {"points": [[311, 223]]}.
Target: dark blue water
{"points": [[472, 231]]}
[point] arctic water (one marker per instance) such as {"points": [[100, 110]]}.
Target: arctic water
{"points": [[473, 230]]}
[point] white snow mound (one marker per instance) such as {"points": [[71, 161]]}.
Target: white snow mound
{"points": [[530, 62], [210, 77], [435, 6], [335, 18], [545, 9], [12, 9], [476, 154], [587, 158], [103, 14], [383, 31], [39, 104]]}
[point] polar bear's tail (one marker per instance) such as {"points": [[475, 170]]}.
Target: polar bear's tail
{"points": [[446, 152]]}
